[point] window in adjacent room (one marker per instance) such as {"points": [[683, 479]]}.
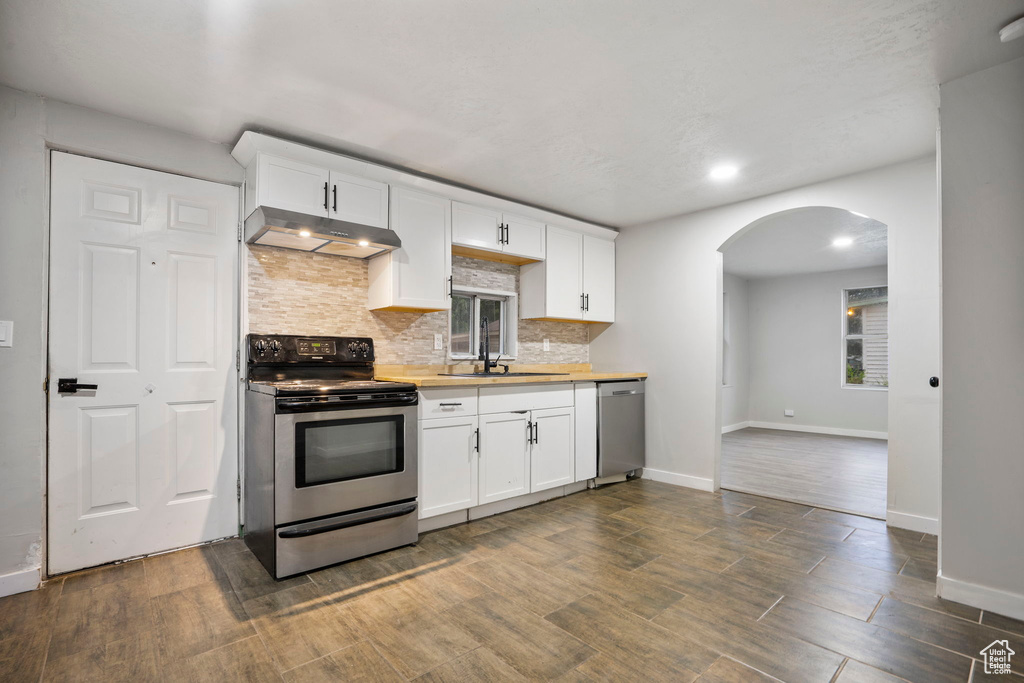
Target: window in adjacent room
{"points": [[866, 337], [470, 306]]}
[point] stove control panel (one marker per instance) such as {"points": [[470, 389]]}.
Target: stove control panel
{"points": [[280, 348]]}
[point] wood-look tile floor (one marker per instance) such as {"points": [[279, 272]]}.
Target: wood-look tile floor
{"points": [[842, 473], [636, 581]]}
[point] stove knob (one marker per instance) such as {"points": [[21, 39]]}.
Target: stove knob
{"points": [[365, 349], [275, 346], [261, 346]]}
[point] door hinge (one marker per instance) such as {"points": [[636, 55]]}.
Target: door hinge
{"points": [[239, 231], [238, 489], [238, 360]]}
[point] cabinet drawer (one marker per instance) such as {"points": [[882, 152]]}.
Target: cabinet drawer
{"points": [[447, 402], [532, 397]]}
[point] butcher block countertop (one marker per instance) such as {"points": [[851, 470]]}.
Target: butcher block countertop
{"points": [[429, 375]]}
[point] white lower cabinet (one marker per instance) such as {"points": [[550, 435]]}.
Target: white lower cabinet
{"points": [[523, 440], [552, 451], [448, 465], [504, 456]]}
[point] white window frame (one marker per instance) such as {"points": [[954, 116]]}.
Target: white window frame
{"points": [[844, 337], [510, 323]]}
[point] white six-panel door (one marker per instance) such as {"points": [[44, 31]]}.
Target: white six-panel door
{"points": [[143, 277]]}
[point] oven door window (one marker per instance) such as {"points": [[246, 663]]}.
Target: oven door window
{"points": [[339, 450]]}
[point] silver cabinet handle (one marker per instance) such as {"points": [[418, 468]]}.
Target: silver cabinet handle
{"points": [[624, 393], [446, 405]]}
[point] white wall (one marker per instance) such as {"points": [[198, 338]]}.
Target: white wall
{"points": [[797, 359], [982, 142], [31, 125], [668, 286], [736, 360]]}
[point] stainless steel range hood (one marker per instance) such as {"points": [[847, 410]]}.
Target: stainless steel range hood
{"points": [[293, 230]]}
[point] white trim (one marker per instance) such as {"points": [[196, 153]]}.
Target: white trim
{"points": [[983, 597], [20, 582], [441, 521], [834, 431], [497, 507], [905, 520], [690, 482], [736, 427]]}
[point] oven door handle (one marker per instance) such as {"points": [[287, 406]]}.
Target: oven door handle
{"points": [[395, 400], [399, 511]]}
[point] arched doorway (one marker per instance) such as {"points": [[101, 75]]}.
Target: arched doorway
{"points": [[803, 347]]}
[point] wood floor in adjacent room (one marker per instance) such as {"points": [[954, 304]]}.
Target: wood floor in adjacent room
{"points": [[636, 581], [837, 472]]}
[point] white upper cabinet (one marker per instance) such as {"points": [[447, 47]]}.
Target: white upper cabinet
{"points": [[292, 185], [576, 281], [598, 280], [473, 226], [416, 276], [358, 200], [481, 229], [523, 237]]}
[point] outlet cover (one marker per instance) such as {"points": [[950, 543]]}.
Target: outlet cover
{"points": [[789, 412], [438, 342], [547, 344]]}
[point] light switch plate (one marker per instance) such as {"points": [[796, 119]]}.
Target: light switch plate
{"points": [[6, 333], [789, 413], [547, 344], [438, 342]]}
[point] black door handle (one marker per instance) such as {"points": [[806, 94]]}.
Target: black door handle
{"points": [[477, 447], [326, 206], [335, 191], [70, 385], [529, 432], [933, 382]]}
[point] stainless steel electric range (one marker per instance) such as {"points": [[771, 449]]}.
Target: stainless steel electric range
{"points": [[330, 454]]}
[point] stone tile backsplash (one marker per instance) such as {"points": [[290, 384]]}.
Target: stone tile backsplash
{"points": [[294, 292]]}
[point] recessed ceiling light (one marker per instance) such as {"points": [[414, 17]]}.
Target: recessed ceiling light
{"points": [[858, 213], [364, 243], [1012, 31], [723, 172], [842, 241], [304, 233]]}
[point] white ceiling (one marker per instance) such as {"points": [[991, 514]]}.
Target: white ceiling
{"points": [[611, 111], [800, 241]]}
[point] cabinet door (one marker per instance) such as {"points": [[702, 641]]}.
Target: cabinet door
{"points": [[358, 200], [564, 274], [599, 279], [586, 430], [292, 185], [553, 455], [473, 226], [423, 264], [504, 456], [448, 465], [525, 236]]}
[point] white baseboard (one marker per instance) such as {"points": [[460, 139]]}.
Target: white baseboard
{"points": [[834, 431], [700, 483], [19, 582], [488, 509], [905, 520], [736, 427], [983, 597]]}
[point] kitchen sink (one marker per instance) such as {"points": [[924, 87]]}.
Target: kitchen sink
{"points": [[500, 374]]}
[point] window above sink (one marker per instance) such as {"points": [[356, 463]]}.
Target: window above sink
{"points": [[469, 306]]}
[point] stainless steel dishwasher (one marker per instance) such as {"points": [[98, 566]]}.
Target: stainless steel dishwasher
{"points": [[620, 427]]}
